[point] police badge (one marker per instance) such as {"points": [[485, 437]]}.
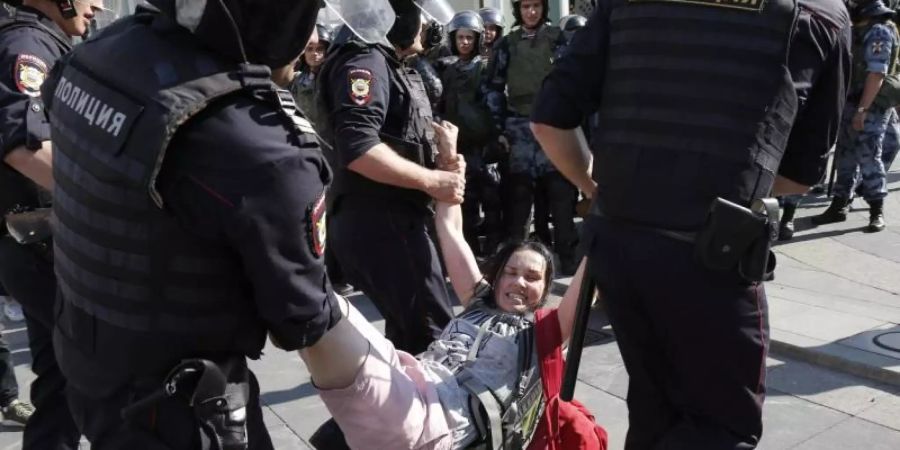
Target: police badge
{"points": [[30, 73], [360, 86], [316, 230]]}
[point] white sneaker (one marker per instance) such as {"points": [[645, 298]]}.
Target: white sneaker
{"points": [[13, 310]]}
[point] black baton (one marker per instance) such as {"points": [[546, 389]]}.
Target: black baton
{"points": [[832, 174], [579, 329]]}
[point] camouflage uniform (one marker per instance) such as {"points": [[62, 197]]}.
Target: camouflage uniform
{"points": [[519, 63], [303, 89], [862, 150], [891, 141]]}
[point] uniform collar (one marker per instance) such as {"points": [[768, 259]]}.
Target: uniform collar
{"points": [[31, 14]]}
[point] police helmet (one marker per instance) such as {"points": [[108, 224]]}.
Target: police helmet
{"points": [[867, 9], [270, 32], [465, 20], [325, 33], [517, 13], [491, 16], [572, 23], [410, 16]]}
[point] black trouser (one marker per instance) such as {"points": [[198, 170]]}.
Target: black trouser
{"points": [[9, 388], [482, 194], [694, 342], [520, 191], [385, 251], [170, 425], [27, 274]]}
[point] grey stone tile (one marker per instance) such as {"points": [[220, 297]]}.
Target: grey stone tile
{"points": [[816, 322], [609, 411], [885, 412], [788, 421], [854, 434], [838, 391], [602, 367], [863, 307]]}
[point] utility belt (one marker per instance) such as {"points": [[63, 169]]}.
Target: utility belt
{"points": [[732, 237], [217, 394]]}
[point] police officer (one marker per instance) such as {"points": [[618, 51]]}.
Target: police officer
{"points": [[190, 215], [303, 86], [520, 62], [31, 41], [859, 151], [493, 29], [380, 127], [461, 105], [681, 131]]}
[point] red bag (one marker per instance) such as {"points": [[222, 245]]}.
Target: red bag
{"points": [[564, 425]]}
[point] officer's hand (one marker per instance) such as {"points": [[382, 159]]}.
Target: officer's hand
{"points": [[446, 134], [455, 165], [859, 121], [447, 187]]}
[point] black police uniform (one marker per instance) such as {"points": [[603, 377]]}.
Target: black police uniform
{"points": [[190, 211], [381, 238], [696, 101], [30, 43]]}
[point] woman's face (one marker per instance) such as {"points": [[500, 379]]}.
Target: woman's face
{"points": [[520, 286], [465, 42], [314, 54]]}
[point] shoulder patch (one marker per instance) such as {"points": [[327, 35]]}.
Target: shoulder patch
{"points": [[29, 74], [747, 5], [316, 229], [361, 86]]}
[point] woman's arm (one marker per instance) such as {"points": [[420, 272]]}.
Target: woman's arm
{"points": [[458, 256], [569, 303]]}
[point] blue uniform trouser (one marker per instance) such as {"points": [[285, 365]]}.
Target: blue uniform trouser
{"points": [[859, 155], [694, 341]]}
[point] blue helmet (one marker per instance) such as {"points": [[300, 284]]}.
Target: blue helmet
{"points": [[465, 20]]}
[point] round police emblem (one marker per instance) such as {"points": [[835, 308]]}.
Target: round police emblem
{"points": [[361, 86]]}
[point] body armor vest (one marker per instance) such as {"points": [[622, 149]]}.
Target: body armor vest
{"points": [[462, 103], [303, 88], [697, 103], [530, 60], [126, 269], [860, 70], [406, 129], [18, 192]]}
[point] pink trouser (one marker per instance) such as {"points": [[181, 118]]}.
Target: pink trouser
{"points": [[391, 405]]}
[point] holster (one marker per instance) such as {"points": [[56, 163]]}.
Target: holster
{"points": [[29, 226], [738, 238], [217, 394]]}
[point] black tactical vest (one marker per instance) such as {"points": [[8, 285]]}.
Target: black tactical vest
{"points": [[406, 129], [16, 190], [132, 282], [697, 103]]}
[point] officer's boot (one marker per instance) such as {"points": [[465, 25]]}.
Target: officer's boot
{"points": [[786, 228], [876, 216], [836, 212]]}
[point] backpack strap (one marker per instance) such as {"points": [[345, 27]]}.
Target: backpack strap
{"points": [[480, 395]]}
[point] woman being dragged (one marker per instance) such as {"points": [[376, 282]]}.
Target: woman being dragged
{"points": [[482, 371]]}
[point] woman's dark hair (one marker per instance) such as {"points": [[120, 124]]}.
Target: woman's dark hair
{"points": [[493, 267]]}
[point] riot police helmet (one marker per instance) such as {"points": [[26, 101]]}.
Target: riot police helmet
{"points": [[572, 23], [411, 14], [491, 16], [270, 32], [868, 9], [517, 12], [465, 20], [324, 33]]}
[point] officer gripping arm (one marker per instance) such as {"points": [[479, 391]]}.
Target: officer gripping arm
{"points": [[361, 98]]}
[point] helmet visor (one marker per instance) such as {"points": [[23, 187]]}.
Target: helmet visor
{"points": [[369, 20], [436, 10]]}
